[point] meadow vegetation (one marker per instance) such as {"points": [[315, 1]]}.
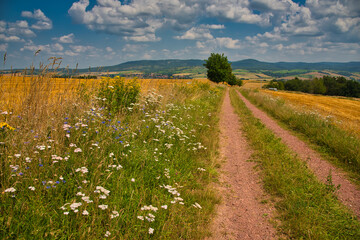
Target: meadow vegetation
{"points": [[108, 160], [306, 208], [340, 144]]}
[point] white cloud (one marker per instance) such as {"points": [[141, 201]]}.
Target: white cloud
{"points": [[228, 43], [202, 32], [236, 10], [66, 38], [42, 23], [146, 56], [2, 26], [133, 47], [5, 38], [139, 20], [220, 42], [196, 33], [81, 48], [345, 24], [3, 47], [109, 49], [57, 47]]}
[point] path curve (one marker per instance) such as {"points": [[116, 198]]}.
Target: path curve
{"points": [[349, 193], [240, 215]]}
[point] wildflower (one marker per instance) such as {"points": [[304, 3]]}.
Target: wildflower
{"points": [[111, 154], [164, 206], [87, 199], [141, 218], [151, 230], [85, 213], [196, 205], [102, 197], [133, 180], [74, 206], [107, 234], [99, 188], [32, 188], [77, 150], [17, 155], [72, 145], [114, 214], [103, 206], [66, 213], [82, 169], [10, 190]]}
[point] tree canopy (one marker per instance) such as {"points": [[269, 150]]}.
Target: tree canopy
{"points": [[219, 70]]}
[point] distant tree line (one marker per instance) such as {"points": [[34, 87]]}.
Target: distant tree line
{"points": [[327, 85], [75, 76]]}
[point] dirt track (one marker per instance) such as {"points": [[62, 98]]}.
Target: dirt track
{"points": [[348, 193], [240, 215]]}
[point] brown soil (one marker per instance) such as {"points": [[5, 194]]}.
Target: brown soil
{"points": [[348, 193], [240, 215]]}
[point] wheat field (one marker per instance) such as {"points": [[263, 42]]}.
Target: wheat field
{"points": [[345, 112]]}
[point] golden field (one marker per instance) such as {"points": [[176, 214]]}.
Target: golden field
{"points": [[253, 84], [16, 90], [344, 111]]}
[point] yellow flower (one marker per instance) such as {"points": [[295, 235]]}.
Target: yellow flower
{"points": [[4, 124]]}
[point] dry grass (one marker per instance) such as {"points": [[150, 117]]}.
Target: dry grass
{"points": [[345, 112]]}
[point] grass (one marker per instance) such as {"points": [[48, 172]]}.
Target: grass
{"points": [[306, 208], [342, 146], [76, 170], [344, 112]]}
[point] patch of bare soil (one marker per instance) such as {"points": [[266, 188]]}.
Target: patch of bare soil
{"points": [[349, 193], [240, 215]]}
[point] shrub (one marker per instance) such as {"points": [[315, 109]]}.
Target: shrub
{"points": [[117, 95]]}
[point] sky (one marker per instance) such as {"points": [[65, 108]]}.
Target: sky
{"points": [[108, 32]]}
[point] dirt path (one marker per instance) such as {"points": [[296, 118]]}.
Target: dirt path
{"points": [[348, 193], [240, 215]]}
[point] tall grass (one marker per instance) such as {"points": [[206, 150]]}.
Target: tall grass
{"points": [[77, 170], [306, 208], [337, 142]]}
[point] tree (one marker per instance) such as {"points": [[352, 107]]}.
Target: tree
{"points": [[219, 69]]}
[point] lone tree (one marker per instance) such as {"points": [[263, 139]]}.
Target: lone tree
{"points": [[219, 69]]}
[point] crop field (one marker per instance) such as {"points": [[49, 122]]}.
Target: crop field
{"points": [[15, 90], [344, 112], [253, 84]]}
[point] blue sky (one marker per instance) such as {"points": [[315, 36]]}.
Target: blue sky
{"points": [[108, 32]]}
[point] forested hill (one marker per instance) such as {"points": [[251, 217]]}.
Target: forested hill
{"points": [[173, 65]]}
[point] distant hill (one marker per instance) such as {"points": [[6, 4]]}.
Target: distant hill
{"points": [[251, 64], [176, 66], [156, 66]]}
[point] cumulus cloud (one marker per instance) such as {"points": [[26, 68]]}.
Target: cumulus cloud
{"points": [[236, 10], [66, 38], [42, 22], [139, 20], [219, 43], [196, 33], [5, 38], [200, 32]]}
